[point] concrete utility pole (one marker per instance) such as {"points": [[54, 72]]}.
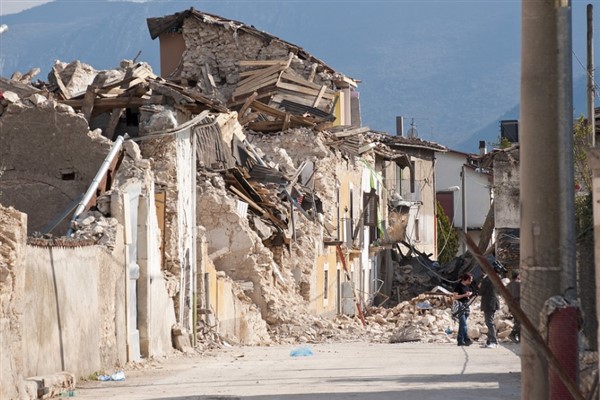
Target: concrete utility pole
{"points": [[547, 180], [591, 91], [463, 182]]}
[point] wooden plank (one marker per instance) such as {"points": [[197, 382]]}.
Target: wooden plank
{"points": [[249, 118], [351, 132], [88, 102], [266, 126], [261, 63], [242, 100], [246, 105], [176, 95], [111, 126], [286, 122], [257, 105], [260, 75], [244, 184], [61, 86], [320, 95], [117, 102], [293, 76], [266, 81], [302, 89], [305, 101], [487, 230], [262, 212]]}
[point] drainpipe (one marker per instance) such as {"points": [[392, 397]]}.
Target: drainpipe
{"points": [[96, 182]]}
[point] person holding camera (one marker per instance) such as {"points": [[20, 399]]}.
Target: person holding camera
{"points": [[462, 293]]}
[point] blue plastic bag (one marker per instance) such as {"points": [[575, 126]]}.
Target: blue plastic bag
{"points": [[302, 351], [117, 376]]}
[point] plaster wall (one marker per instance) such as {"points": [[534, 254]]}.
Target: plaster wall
{"points": [[13, 236], [421, 224], [323, 297], [172, 47], [50, 157], [232, 312], [477, 186], [68, 328], [186, 223], [506, 190], [155, 308]]}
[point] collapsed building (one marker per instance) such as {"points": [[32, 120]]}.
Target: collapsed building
{"points": [[235, 198]]}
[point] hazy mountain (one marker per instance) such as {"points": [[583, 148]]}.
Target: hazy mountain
{"points": [[452, 67]]}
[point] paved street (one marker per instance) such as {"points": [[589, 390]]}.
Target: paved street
{"points": [[336, 371]]}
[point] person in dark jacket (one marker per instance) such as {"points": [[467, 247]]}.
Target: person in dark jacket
{"points": [[462, 293], [490, 303]]}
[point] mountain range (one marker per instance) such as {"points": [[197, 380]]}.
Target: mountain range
{"points": [[450, 68]]}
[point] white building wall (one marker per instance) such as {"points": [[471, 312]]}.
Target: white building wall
{"points": [[186, 209], [477, 187]]}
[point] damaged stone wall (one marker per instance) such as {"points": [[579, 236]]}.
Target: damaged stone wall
{"points": [[507, 207], [308, 257], [238, 251], [220, 46], [50, 157], [160, 153], [13, 234], [229, 312], [155, 307]]}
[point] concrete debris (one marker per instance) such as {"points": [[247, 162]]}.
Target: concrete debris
{"points": [[49, 386]]}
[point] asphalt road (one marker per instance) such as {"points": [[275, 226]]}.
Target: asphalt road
{"points": [[335, 371]]}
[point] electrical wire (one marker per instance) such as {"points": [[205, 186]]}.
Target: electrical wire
{"points": [[588, 74]]}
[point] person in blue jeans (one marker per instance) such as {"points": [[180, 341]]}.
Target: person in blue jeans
{"points": [[462, 293]]}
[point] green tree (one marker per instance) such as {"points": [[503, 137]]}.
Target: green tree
{"points": [[584, 226], [447, 238]]}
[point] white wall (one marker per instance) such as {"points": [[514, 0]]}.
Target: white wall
{"points": [[448, 173]]}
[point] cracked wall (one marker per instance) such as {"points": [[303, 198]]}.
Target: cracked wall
{"points": [[50, 157], [13, 235]]}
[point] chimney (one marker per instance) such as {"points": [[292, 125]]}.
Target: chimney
{"points": [[482, 148], [399, 126]]}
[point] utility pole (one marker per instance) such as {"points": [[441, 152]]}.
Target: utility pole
{"points": [[591, 91], [463, 189], [546, 188]]}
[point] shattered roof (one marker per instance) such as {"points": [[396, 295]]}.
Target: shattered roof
{"points": [[487, 160], [402, 141], [170, 23]]}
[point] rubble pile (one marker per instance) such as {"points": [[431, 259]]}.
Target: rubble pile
{"points": [[426, 318], [247, 260]]}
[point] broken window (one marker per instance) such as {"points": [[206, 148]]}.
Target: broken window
{"points": [[370, 203]]}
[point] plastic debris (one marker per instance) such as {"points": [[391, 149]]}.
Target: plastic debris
{"points": [[117, 376], [302, 351], [424, 305], [68, 393]]}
